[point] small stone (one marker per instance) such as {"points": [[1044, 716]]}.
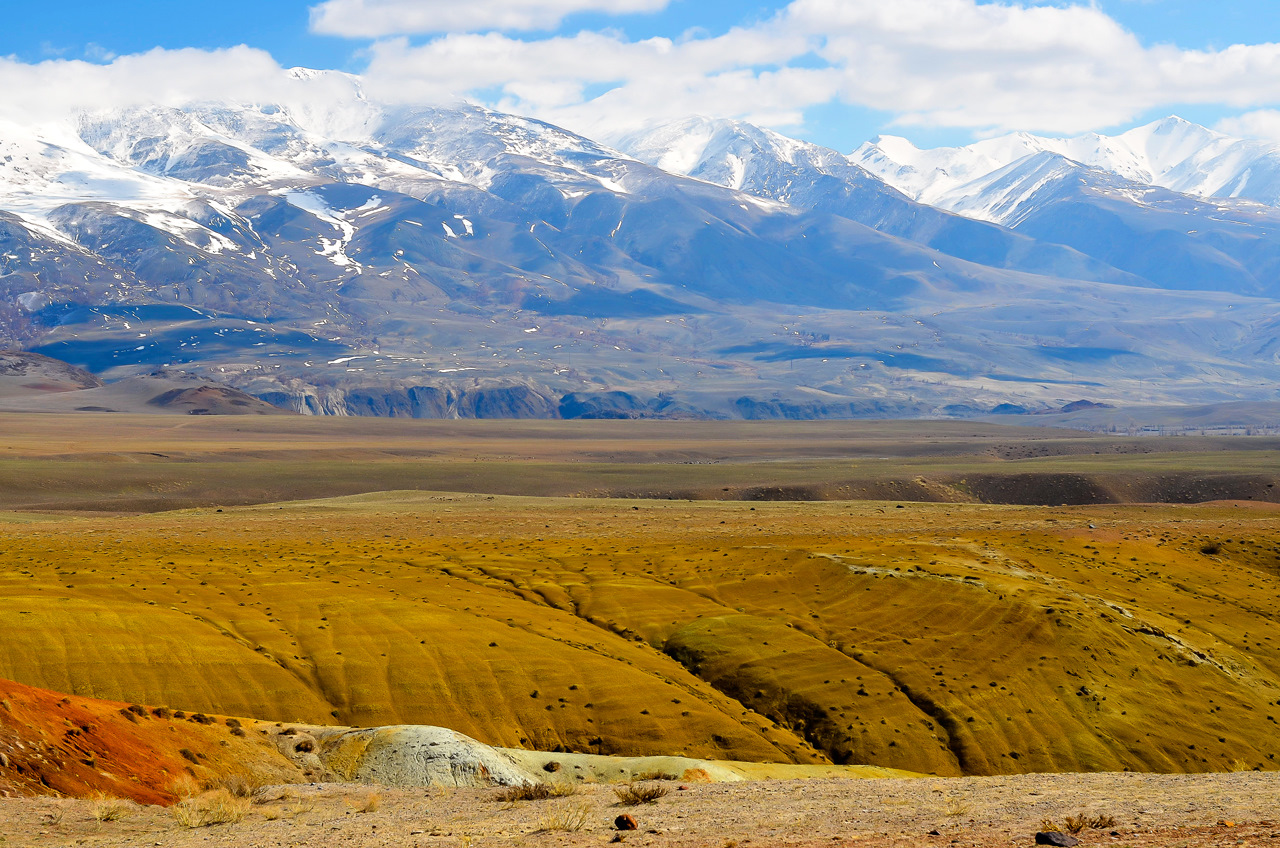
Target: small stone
{"points": [[1055, 838], [935, 833], [625, 822]]}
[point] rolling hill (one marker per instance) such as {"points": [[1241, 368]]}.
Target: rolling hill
{"points": [[942, 638]]}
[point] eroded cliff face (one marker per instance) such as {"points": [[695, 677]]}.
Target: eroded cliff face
{"points": [[415, 401]]}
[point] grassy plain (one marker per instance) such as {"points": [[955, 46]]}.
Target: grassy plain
{"points": [[148, 463], [945, 638]]}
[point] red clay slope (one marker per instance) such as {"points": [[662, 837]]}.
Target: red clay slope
{"points": [[52, 744]]}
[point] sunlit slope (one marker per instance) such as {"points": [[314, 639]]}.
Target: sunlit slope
{"points": [[51, 744], [933, 638]]}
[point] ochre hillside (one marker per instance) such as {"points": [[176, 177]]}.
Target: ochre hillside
{"points": [[933, 638]]}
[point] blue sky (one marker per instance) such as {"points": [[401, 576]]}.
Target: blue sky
{"points": [[836, 109]]}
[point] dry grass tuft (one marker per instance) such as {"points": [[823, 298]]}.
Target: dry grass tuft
{"points": [[1079, 823], [656, 775], [536, 792], [216, 807], [242, 785], [957, 807], [631, 794], [301, 806], [569, 818], [107, 809], [371, 802]]}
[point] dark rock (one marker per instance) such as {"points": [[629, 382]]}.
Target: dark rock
{"points": [[506, 402], [625, 822], [1079, 405], [1056, 838], [552, 766]]}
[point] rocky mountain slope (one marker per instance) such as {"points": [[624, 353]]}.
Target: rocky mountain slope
{"points": [[453, 261]]}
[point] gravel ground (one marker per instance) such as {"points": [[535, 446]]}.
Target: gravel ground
{"points": [[1148, 810]]}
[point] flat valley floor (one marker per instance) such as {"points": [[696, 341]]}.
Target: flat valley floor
{"points": [[1148, 810]]}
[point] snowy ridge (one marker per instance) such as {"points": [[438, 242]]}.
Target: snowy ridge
{"points": [[739, 156], [1171, 153]]}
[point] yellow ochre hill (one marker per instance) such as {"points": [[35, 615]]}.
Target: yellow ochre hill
{"points": [[934, 638]]}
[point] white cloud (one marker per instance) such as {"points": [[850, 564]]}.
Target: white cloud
{"points": [[377, 18], [52, 91], [948, 63], [1264, 123]]}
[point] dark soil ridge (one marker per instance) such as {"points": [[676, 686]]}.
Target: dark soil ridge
{"points": [[1021, 489]]}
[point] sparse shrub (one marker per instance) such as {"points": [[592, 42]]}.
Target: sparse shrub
{"points": [[216, 807], [162, 712], [237, 731], [304, 746], [631, 794], [957, 807], [569, 818], [536, 792], [1211, 548], [107, 809], [189, 755]]}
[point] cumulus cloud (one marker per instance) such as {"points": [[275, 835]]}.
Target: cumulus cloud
{"points": [[1263, 123], [377, 18], [633, 81], [940, 63], [987, 67], [54, 90]]}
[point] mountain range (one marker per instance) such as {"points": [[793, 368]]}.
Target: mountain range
{"points": [[456, 261]]}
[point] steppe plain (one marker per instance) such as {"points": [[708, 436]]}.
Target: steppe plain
{"points": [[950, 599]]}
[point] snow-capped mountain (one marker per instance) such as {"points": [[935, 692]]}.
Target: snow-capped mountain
{"points": [[1102, 224], [1172, 153], [343, 256]]}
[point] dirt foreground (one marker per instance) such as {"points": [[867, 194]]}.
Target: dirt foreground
{"points": [[1148, 810]]}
